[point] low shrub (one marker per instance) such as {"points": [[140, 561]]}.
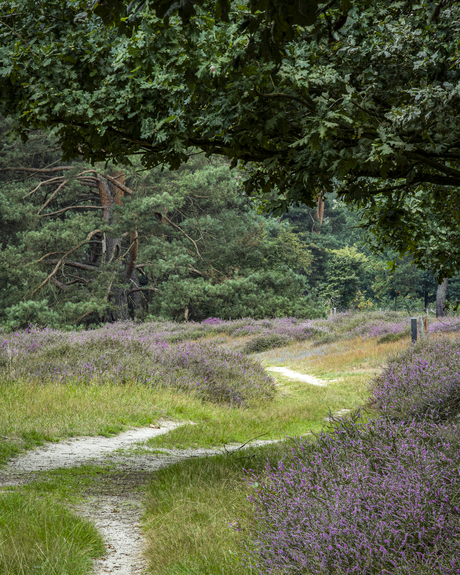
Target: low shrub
{"points": [[422, 382], [121, 353], [380, 497], [326, 339], [389, 337], [265, 342]]}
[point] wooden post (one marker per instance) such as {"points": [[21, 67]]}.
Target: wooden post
{"points": [[335, 311], [413, 329], [420, 330], [425, 327]]}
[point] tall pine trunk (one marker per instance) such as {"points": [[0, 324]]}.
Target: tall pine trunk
{"points": [[124, 272]]}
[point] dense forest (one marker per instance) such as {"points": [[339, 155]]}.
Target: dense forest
{"points": [[86, 244]]}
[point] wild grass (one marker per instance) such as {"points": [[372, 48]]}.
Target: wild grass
{"points": [[190, 506], [32, 413], [42, 536], [197, 513]]}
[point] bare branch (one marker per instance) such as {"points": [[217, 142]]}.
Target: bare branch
{"points": [[113, 180], [142, 289], [192, 269], [84, 315], [72, 264], [59, 284], [78, 278], [37, 170], [60, 262], [72, 208], [47, 255], [53, 195], [45, 182], [185, 234]]}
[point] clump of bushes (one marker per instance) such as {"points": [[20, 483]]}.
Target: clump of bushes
{"points": [[122, 353], [390, 337], [265, 342], [422, 382], [380, 497]]}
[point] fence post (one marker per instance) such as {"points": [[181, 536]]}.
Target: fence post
{"points": [[335, 311], [420, 330], [413, 329], [426, 332]]}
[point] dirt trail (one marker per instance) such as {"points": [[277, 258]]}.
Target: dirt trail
{"points": [[114, 501], [298, 376]]}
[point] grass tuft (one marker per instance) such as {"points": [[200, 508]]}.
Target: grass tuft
{"points": [[40, 536]]}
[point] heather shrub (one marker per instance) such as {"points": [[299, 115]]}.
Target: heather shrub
{"points": [[446, 325], [389, 337], [325, 339], [266, 341], [424, 381], [124, 352], [375, 498]]}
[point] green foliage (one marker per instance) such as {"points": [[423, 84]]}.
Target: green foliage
{"points": [[346, 270], [40, 535], [264, 342], [369, 111], [424, 225], [201, 248]]}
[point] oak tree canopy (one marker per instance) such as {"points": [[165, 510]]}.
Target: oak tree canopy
{"points": [[361, 98]]}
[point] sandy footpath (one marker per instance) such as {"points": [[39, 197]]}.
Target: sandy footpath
{"points": [[114, 502], [298, 376]]}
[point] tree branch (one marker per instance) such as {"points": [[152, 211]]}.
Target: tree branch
{"points": [[37, 170], [72, 208], [58, 265], [142, 289], [45, 182], [47, 255], [53, 195], [72, 264], [185, 234]]}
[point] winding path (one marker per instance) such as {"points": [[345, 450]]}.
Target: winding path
{"points": [[114, 502], [299, 376]]}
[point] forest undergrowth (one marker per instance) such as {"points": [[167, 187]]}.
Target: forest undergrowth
{"points": [[243, 512]]}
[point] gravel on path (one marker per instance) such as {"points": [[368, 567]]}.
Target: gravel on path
{"points": [[298, 376], [114, 502]]}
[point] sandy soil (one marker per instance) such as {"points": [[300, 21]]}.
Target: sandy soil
{"points": [[114, 501], [297, 375]]}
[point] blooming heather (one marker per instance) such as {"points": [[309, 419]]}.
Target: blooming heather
{"points": [[380, 498], [424, 381], [125, 352]]}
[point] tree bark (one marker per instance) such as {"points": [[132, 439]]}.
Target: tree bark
{"points": [[441, 294], [110, 195]]}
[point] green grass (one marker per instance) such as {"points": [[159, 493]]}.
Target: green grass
{"points": [[39, 535], [67, 485], [193, 511], [190, 505]]}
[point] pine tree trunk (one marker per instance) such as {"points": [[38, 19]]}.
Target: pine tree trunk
{"points": [[124, 279], [441, 295]]}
